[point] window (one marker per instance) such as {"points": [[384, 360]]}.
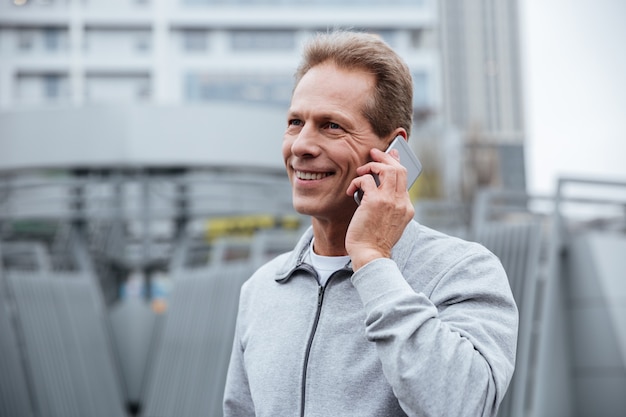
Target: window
{"points": [[117, 87], [250, 40], [417, 38], [268, 88], [195, 40], [51, 39], [51, 86], [25, 38], [143, 89], [142, 42]]}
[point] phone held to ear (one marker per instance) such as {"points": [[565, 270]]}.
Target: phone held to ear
{"points": [[407, 159]]}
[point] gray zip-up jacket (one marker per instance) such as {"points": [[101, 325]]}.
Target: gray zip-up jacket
{"points": [[430, 332]]}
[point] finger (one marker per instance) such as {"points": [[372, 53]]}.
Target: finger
{"points": [[394, 154], [396, 178], [363, 182], [392, 157], [391, 177], [379, 157]]}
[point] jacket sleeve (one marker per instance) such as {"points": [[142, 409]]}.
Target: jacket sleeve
{"points": [[237, 399], [451, 352]]}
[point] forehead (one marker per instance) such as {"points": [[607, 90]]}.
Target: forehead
{"points": [[328, 85]]}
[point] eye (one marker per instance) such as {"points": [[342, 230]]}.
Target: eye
{"points": [[332, 126], [295, 122]]}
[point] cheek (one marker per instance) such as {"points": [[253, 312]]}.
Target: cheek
{"points": [[357, 158], [286, 149], [357, 152]]}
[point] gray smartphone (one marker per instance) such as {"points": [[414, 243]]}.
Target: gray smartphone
{"points": [[407, 158]]}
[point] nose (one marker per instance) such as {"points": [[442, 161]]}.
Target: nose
{"points": [[305, 143]]}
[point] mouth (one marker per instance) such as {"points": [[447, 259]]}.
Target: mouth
{"points": [[311, 176]]}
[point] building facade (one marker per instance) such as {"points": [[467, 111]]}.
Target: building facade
{"points": [[463, 55], [482, 92], [83, 52]]}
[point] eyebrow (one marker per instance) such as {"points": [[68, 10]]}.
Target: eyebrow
{"points": [[326, 116]]}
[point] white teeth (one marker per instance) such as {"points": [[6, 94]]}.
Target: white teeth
{"points": [[311, 175]]}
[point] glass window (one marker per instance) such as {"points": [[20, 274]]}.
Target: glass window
{"points": [[25, 39], [248, 40], [117, 42], [143, 89], [195, 40], [51, 86], [51, 39], [268, 88], [41, 87], [142, 42], [417, 38], [117, 88]]}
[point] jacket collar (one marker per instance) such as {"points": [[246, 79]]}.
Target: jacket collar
{"points": [[295, 261]]}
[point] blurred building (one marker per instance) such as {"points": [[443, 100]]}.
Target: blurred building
{"points": [[64, 54], [122, 125], [464, 57], [189, 51], [482, 86], [199, 61], [142, 109]]}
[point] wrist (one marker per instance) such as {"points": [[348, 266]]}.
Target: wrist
{"points": [[361, 257]]}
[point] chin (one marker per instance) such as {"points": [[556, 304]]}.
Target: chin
{"points": [[314, 207], [302, 207]]}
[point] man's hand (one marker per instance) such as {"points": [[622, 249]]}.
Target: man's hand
{"points": [[384, 212]]}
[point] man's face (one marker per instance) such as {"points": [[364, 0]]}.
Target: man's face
{"points": [[327, 138]]}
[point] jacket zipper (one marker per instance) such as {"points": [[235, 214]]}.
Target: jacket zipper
{"points": [[320, 298]]}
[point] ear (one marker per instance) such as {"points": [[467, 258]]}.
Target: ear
{"points": [[400, 131]]}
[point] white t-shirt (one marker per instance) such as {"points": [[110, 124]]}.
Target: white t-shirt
{"points": [[326, 265]]}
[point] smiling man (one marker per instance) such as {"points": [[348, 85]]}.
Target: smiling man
{"points": [[371, 314]]}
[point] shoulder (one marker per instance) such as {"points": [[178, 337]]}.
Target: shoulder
{"points": [[429, 245], [427, 257]]}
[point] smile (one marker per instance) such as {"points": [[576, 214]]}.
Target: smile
{"points": [[307, 176]]}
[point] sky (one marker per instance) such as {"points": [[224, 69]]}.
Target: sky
{"points": [[575, 90]]}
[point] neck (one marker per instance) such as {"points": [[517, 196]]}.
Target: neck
{"points": [[330, 238]]}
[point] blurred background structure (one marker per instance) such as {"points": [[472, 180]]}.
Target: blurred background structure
{"points": [[141, 182]]}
